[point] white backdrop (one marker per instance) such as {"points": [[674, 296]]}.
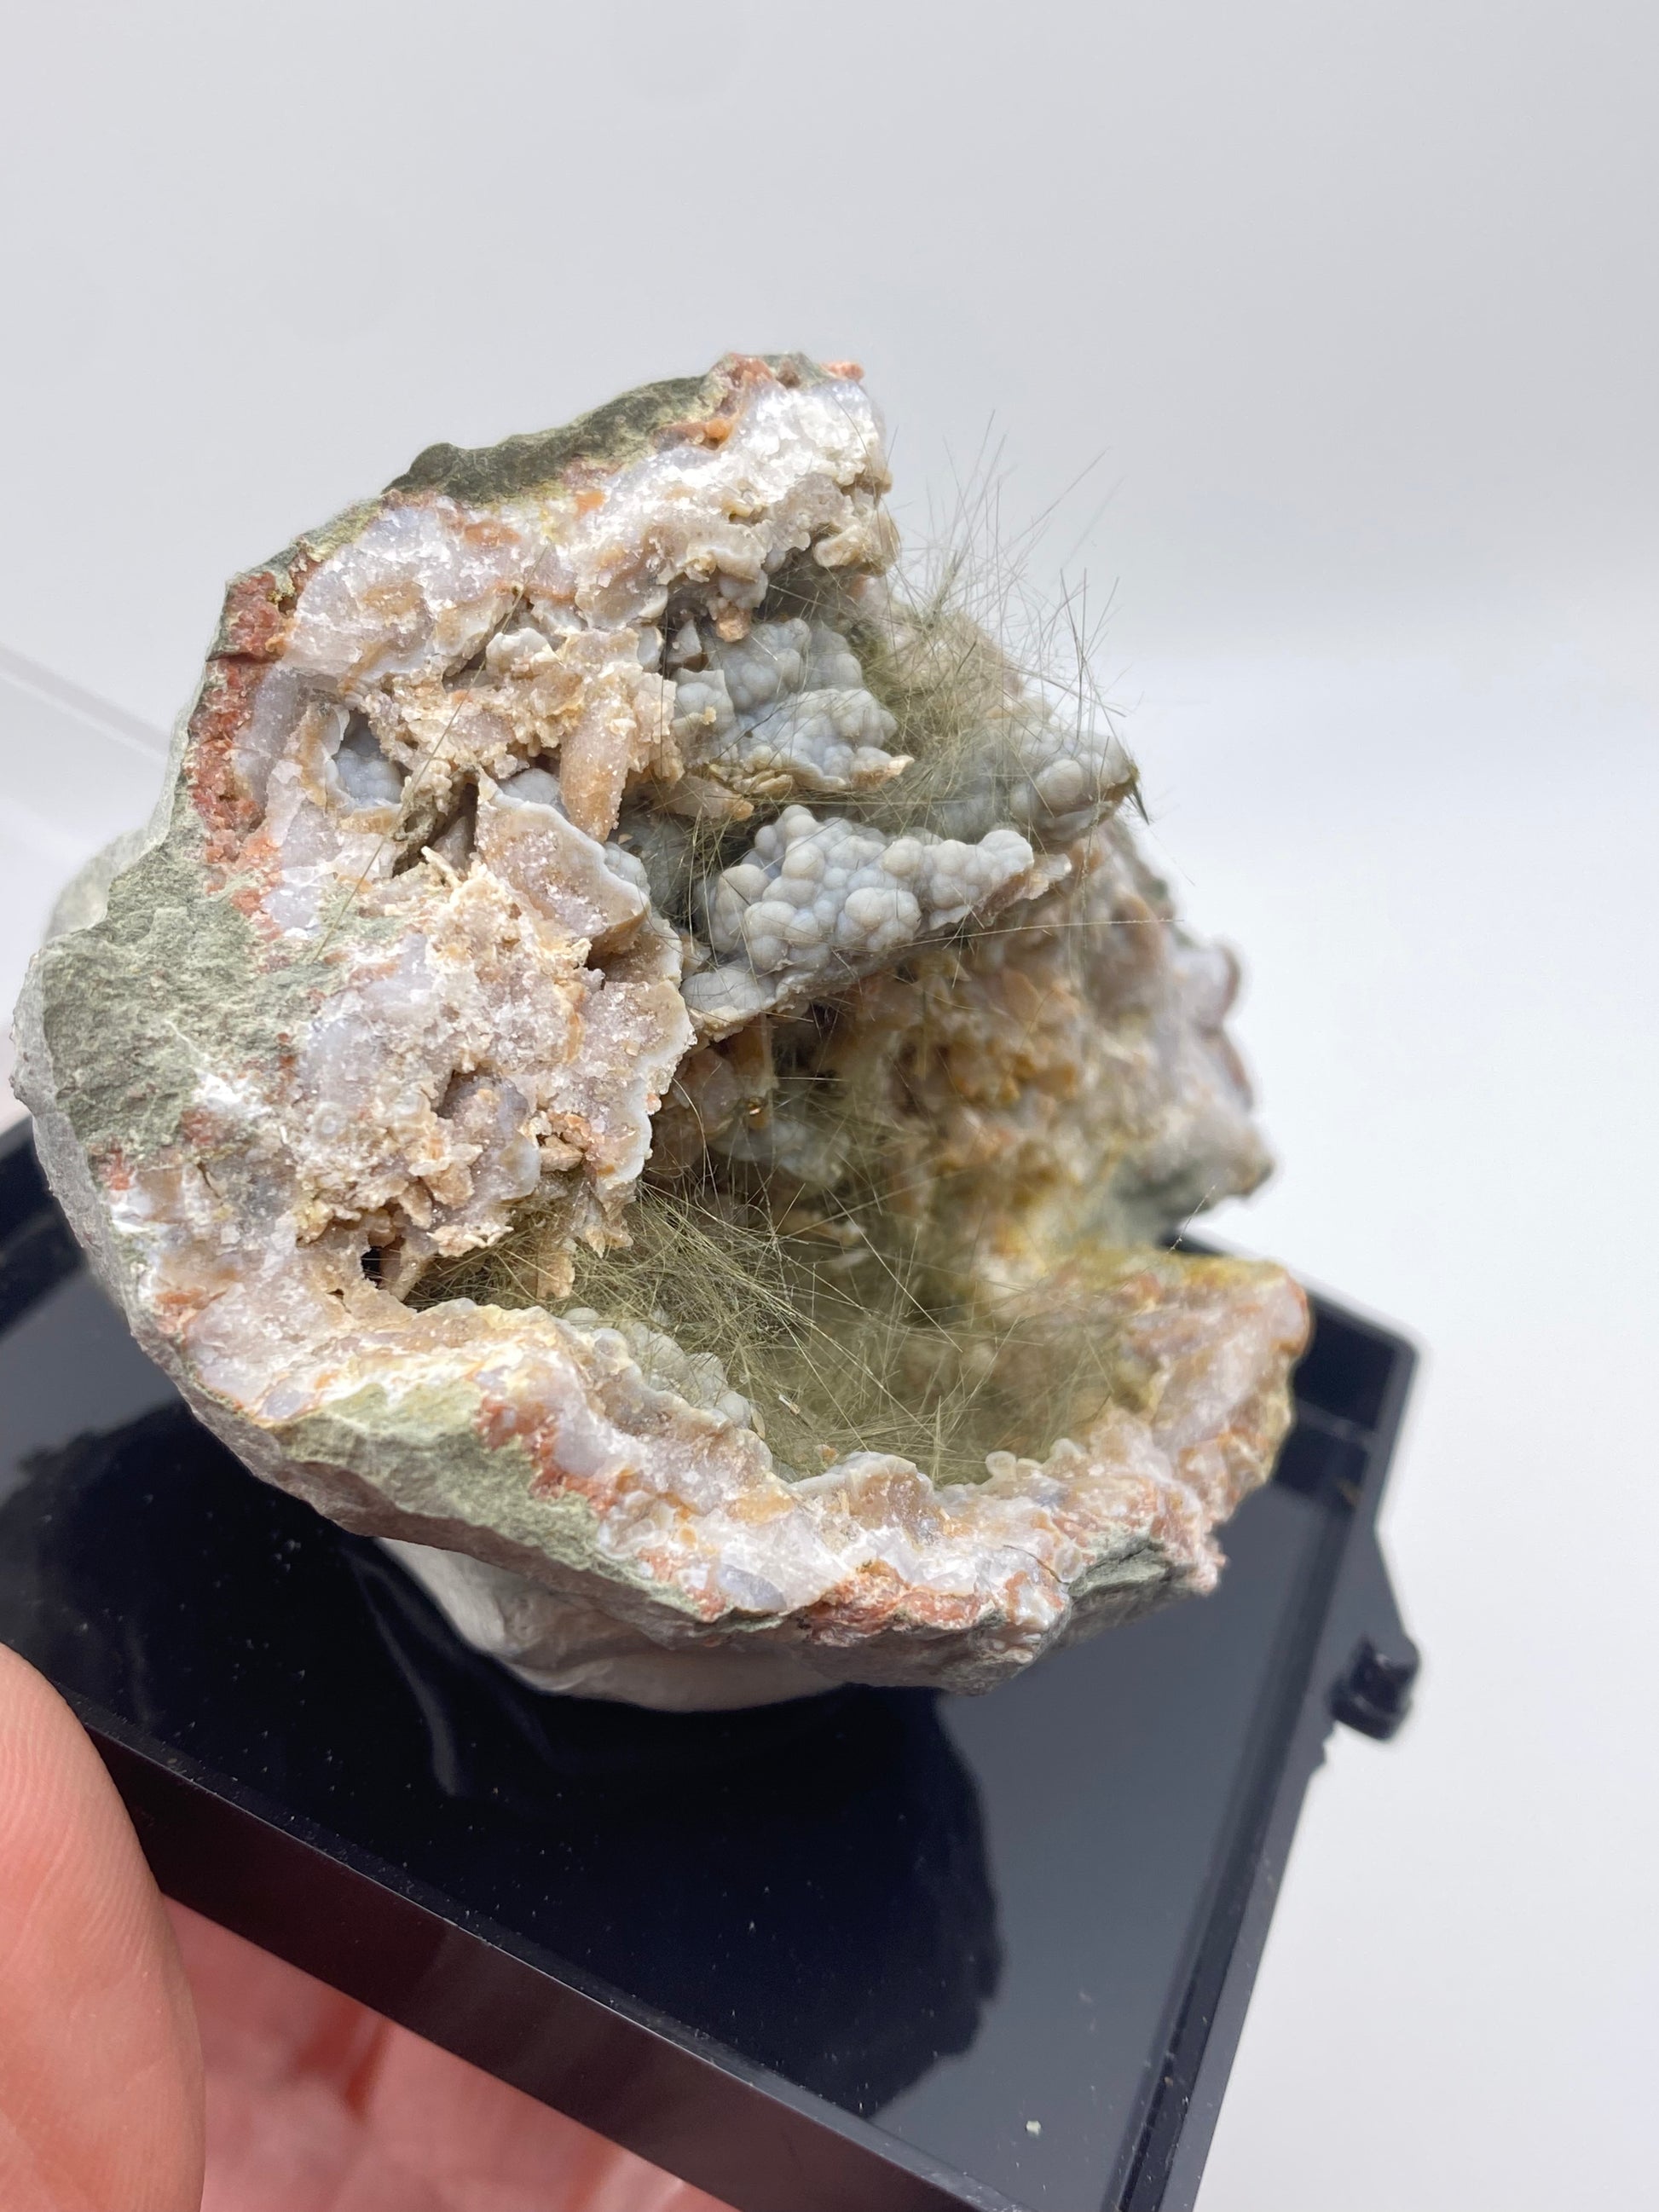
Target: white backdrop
{"points": [[1347, 317]]}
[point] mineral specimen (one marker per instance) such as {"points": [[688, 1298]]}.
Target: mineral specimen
{"points": [[639, 1062]]}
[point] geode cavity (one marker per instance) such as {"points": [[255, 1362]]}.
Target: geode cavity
{"points": [[640, 1063]]}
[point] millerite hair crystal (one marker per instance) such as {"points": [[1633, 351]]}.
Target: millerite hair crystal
{"points": [[639, 1061]]}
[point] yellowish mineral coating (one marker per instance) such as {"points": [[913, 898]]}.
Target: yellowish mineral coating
{"points": [[642, 1065]]}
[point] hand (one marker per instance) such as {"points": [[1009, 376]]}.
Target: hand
{"points": [[150, 2061]]}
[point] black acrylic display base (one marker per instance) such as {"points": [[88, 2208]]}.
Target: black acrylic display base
{"points": [[865, 1952]]}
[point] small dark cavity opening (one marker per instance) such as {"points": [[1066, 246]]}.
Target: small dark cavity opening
{"points": [[374, 1264], [460, 678], [800, 586], [460, 1087], [452, 833]]}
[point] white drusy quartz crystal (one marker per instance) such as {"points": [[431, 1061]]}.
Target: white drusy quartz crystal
{"points": [[640, 1064]]}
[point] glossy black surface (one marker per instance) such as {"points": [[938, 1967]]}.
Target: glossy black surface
{"points": [[1014, 1932]]}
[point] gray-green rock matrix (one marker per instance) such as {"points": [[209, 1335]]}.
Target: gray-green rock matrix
{"points": [[639, 1064]]}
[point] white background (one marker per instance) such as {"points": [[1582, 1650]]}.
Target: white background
{"points": [[1353, 310]]}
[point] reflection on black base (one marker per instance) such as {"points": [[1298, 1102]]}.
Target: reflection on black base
{"points": [[806, 1882]]}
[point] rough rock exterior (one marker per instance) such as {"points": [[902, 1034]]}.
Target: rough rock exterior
{"points": [[569, 836]]}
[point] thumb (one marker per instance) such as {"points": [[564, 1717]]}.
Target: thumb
{"points": [[100, 2077]]}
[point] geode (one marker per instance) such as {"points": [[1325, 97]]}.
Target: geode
{"points": [[639, 1062]]}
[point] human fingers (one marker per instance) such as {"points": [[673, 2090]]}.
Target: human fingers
{"points": [[101, 2096], [314, 2101]]}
